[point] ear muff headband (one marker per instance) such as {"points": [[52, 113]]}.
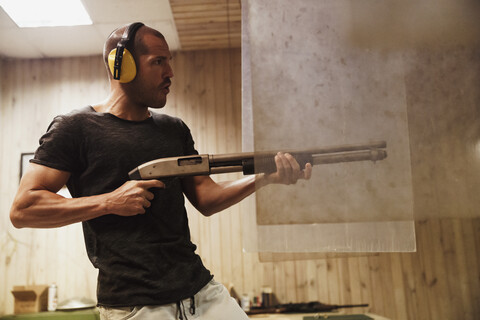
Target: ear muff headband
{"points": [[120, 60]]}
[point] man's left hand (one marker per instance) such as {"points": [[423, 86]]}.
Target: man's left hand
{"points": [[288, 170]]}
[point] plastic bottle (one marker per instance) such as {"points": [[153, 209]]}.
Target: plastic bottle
{"points": [[52, 297]]}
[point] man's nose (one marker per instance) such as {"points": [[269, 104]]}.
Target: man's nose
{"points": [[168, 71]]}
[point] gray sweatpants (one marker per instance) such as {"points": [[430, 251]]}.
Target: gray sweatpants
{"points": [[212, 302]]}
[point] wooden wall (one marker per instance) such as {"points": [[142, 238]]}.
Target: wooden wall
{"points": [[439, 281]]}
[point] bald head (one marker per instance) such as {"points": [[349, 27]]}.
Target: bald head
{"points": [[136, 47]]}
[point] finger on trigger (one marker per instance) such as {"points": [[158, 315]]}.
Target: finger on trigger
{"points": [[153, 184], [149, 195]]}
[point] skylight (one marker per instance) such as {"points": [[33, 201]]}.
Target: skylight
{"points": [[46, 13]]}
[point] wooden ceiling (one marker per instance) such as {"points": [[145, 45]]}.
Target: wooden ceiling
{"points": [[208, 24]]}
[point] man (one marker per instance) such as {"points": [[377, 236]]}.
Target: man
{"points": [[136, 232]]}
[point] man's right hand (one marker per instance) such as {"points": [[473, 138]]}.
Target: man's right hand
{"points": [[133, 197]]}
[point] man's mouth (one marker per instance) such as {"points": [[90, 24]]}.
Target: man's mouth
{"points": [[166, 86]]}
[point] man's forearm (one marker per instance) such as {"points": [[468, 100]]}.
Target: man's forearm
{"points": [[45, 209], [210, 197], [37, 205], [236, 191]]}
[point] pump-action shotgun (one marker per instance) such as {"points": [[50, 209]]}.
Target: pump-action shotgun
{"points": [[253, 162]]}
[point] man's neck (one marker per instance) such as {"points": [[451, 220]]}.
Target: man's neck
{"points": [[120, 107]]}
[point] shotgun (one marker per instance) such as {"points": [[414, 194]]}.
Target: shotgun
{"points": [[253, 162], [306, 307]]}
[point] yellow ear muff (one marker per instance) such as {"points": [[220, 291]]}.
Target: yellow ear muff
{"points": [[128, 67]]}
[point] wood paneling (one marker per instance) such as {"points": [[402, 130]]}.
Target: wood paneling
{"points": [[207, 24], [440, 281], [32, 92]]}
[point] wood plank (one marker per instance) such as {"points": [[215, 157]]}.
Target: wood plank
{"points": [[209, 28], [175, 3], [334, 284], [377, 292], [188, 15], [210, 44], [223, 43], [462, 275], [301, 281], [390, 304], [205, 8], [398, 283], [471, 252], [411, 307], [311, 281], [344, 281], [207, 20], [322, 278], [451, 272], [279, 285], [436, 277], [217, 37], [290, 282], [355, 282], [422, 285], [364, 278]]}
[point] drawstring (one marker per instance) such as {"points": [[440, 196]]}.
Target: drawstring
{"points": [[181, 309], [192, 305], [178, 310]]}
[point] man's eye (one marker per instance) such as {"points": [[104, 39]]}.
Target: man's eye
{"points": [[159, 61]]}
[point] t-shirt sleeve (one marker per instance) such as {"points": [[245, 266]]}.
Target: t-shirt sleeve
{"points": [[59, 146], [189, 143]]}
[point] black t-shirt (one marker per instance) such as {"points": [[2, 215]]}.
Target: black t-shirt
{"points": [[145, 259]]}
